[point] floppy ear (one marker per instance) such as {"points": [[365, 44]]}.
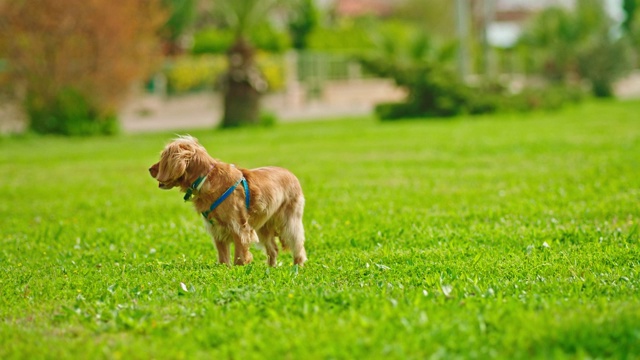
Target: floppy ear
{"points": [[174, 161], [153, 170]]}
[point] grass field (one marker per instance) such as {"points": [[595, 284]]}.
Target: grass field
{"points": [[513, 236]]}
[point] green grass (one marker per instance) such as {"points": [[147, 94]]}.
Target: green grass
{"points": [[511, 236]]}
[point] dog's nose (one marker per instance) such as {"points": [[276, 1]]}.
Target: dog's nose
{"points": [[153, 171]]}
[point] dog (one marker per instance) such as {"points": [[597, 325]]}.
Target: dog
{"points": [[239, 206]]}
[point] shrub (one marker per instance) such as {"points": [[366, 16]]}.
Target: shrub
{"points": [[273, 69], [77, 59], [192, 73], [604, 61], [347, 35], [578, 45], [435, 90], [396, 110], [196, 73], [70, 113]]}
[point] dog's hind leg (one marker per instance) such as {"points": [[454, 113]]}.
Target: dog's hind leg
{"points": [[267, 237], [292, 233]]}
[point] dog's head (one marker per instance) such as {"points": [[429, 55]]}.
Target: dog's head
{"points": [[178, 162]]}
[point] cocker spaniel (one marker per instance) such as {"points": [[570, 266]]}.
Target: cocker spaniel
{"points": [[239, 206]]}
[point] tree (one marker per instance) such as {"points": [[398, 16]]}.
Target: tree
{"points": [[631, 25], [579, 46], [630, 8], [182, 15], [437, 16], [243, 83], [75, 59], [305, 20]]}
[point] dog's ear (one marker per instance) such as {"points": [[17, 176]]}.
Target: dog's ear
{"points": [[174, 160], [153, 170]]}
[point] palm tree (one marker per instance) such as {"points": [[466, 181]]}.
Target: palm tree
{"points": [[182, 14], [243, 83]]}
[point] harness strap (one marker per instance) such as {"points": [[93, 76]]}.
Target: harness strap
{"points": [[226, 194], [194, 187], [247, 194]]}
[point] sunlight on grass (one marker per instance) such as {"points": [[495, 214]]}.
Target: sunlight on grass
{"points": [[510, 236]]}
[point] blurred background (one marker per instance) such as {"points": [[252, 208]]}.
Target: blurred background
{"points": [[86, 67]]}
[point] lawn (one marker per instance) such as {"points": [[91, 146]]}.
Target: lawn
{"points": [[511, 236]]}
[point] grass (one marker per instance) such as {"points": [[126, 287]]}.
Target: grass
{"points": [[495, 237]]}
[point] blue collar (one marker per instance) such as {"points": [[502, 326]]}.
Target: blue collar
{"points": [[226, 194]]}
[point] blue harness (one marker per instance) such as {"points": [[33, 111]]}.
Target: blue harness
{"points": [[198, 183]]}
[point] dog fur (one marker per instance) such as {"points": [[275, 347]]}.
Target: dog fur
{"points": [[276, 207]]}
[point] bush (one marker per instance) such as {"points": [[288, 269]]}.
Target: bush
{"points": [[603, 62], [434, 88], [347, 35], [396, 111], [76, 60], [193, 73], [435, 92], [273, 69], [578, 45], [197, 73], [69, 113]]}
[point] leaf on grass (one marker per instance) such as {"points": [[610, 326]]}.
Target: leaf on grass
{"points": [[446, 290], [530, 249]]}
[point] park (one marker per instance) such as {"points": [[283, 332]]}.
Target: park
{"points": [[447, 225]]}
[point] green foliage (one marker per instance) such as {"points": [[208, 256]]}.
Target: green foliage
{"points": [[268, 119], [71, 60], [577, 45], [218, 41], [630, 8], [603, 61], [435, 90], [242, 16], [435, 16], [196, 73], [272, 68], [346, 35], [212, 41], [508, 237], [182, 14], [305, 19], [265, 37], [193, 73], [633, 35], [69, 113]]}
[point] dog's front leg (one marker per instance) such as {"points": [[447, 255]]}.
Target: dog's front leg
{"points": [[223, 252], [242, 254]]}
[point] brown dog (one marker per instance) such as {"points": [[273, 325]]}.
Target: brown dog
{"points": [[239, 205]]}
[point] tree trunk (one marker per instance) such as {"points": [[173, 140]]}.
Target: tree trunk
{"points": [[243, 85]]}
